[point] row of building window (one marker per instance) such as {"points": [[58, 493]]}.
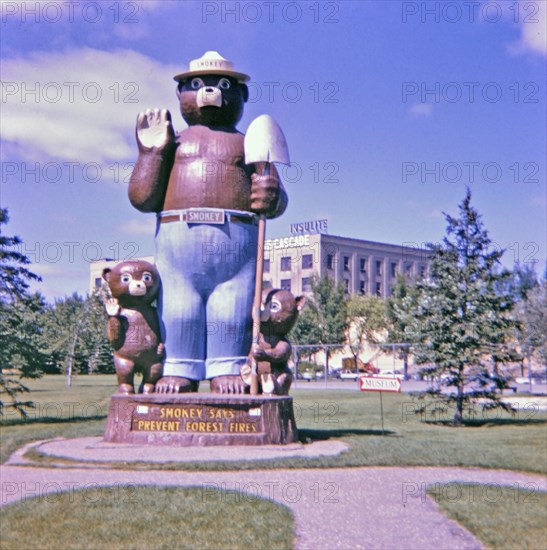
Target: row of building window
{"points": [[285, 284], [307, 263]]}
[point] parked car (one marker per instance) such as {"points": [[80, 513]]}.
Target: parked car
{"points": [[307, 376], [348, 375]]}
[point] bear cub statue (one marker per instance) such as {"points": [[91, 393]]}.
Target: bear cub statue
{"points": [[133, 324], [278, 315]]}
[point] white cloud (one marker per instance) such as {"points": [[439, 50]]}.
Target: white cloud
{"points": [[421, 109], [81, 104], [533, 27]]}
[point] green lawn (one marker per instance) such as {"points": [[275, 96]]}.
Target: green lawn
{"points": [[502, 441], [145, 518], [502, 518], [515, 520]]}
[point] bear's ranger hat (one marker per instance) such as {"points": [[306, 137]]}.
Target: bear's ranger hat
{"points": [[211, 63]]}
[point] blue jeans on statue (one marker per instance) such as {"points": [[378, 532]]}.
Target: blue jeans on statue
{"points": [[208, 276]]}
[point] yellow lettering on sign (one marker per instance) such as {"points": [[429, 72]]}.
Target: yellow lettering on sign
{"points": [[242, 427], [220, 413], [203, 427]]}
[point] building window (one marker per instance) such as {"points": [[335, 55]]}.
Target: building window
{"points": [[330, 261], [422, 271], [408, 268], [266, 284], [378, 267], [363, 265], [266, 266], [286, 284], [393, 270], [346, 263], [378, 289], [346, 285], [306, 284], [286, 263], [362, 288], [307, 261], [98, 282]]}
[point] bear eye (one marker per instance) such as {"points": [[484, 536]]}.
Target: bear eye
{"points": [[147, 277], [196, 83], [275, 306], [224, 84], [125, 278]]}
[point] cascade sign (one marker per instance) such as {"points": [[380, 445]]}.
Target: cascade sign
{"points": [[376, 383]]}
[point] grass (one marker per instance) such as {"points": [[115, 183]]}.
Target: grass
{"points": [[500, 517], [140, 517], [498, 441]]}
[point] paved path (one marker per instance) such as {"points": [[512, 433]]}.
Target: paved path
{"points": [[334, 508]]}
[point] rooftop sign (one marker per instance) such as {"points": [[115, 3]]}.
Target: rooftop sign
{"points": [[315, 226]]}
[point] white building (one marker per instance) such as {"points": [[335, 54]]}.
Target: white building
{"points": [[364, 267]]}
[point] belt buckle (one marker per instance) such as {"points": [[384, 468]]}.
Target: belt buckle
{"points": [[204, 215]]}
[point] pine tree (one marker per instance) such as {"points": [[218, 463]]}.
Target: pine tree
{"points": [[462, 322], [22, 351]]}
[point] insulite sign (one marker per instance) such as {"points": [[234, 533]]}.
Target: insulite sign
{"points": [[377, 383], [316, 226]]}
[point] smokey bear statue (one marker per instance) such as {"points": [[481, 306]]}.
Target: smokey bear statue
{"points": [[278, 315], [133, 327], [207, 202]]}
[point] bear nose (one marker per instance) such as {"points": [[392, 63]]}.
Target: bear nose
{"points": [[209, 90]]}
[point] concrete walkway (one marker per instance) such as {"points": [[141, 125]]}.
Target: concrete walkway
{"points": [[334, 508]]}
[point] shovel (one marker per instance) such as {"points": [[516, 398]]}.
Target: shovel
{"points": [[264, 142]]}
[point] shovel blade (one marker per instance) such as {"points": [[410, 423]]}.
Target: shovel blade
{"points": [[265, 142]]}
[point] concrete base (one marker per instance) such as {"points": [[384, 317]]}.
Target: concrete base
{"points": [[200, 419]]}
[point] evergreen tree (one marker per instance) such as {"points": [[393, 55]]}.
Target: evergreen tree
{"points": [[22, 351], [462, 321]]}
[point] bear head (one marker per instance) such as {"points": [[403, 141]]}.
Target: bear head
{"points": [[133, 282], [214, 100], [279, 311]]}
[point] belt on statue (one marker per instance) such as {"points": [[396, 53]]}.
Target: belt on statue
{"points": [[208, 216]]}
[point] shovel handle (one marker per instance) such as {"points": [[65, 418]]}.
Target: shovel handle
{"points": [[257, 302]]}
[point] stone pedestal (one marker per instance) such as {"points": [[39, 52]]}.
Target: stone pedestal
{"points": [[200, 419]]}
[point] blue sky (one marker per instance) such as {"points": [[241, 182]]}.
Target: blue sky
{"points": [[390, 109]]}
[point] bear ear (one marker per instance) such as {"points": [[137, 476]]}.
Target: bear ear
{"points": [[300, 302], [180, 86], [244, 92], [106, 274]]}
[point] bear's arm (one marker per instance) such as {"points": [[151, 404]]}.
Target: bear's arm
{"points": [[115, 332], [280, 353], [149, 178]]}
